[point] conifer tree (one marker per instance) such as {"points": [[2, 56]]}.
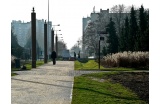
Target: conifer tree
{"points": [[104, 51], [144, 29], [133, 31], [112, 38], [16, 49], [126, 33], [122, 41], [124, 36]]}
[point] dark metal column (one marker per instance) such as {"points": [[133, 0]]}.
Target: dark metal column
{"points": [[56, 44], [33, 27], [45, 42], [52, 40]]}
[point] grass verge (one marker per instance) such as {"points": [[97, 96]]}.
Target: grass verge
{"points": [[28, 66], [97, 88], [93, 65], [13, 74]]}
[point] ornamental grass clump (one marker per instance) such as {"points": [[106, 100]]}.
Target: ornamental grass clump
{"points": [[126, 59]]}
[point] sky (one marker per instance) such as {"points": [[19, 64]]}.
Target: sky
{"points": [[67, 13]]}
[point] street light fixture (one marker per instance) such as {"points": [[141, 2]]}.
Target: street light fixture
{"points": [[100, 38], [56, 31], [56, 25], [59, 34]]}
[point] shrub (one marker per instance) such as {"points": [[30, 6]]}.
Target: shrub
{"points": [[126, 59]]}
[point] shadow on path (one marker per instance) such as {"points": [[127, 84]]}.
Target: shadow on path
{"points": [[107, 94], [43, 83]]}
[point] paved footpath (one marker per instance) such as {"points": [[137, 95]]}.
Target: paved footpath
{"points": [[47, 84]]}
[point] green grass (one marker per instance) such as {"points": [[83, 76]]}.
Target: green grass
{"points": [[92, 65], [29, 65], [38, 63], [13, 74], [89, 89]]}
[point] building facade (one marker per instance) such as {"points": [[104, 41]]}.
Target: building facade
{"points": [[22, 30], [100, 20]]}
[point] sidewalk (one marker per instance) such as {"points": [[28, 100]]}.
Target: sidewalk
{"points": [[47, 84]]}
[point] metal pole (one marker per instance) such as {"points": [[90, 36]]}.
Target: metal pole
{"points": [[56, 44], [45, 42], [33, 25], [52, 40], [48, 32]]}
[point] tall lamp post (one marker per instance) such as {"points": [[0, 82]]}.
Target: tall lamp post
{"points": [[79, 49], [52, 40], [52, 37], [33, 27], [48, 31], [57, 42], [45, 43]]}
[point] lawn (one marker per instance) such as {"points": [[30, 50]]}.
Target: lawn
{"points": [[90, 64], [13, 74], [38, 63], [100, 89], [28, 66], [93, 65]]}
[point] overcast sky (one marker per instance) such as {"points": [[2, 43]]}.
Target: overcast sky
{"points": [[67, 13]]}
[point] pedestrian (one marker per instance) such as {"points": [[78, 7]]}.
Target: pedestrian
{"points": [[54, 56]]}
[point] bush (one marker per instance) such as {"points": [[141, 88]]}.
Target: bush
{"points": [[127, 59]]}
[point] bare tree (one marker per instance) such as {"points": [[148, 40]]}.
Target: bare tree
{"points": [[118, 14], [91, 37], [75, 49]]}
